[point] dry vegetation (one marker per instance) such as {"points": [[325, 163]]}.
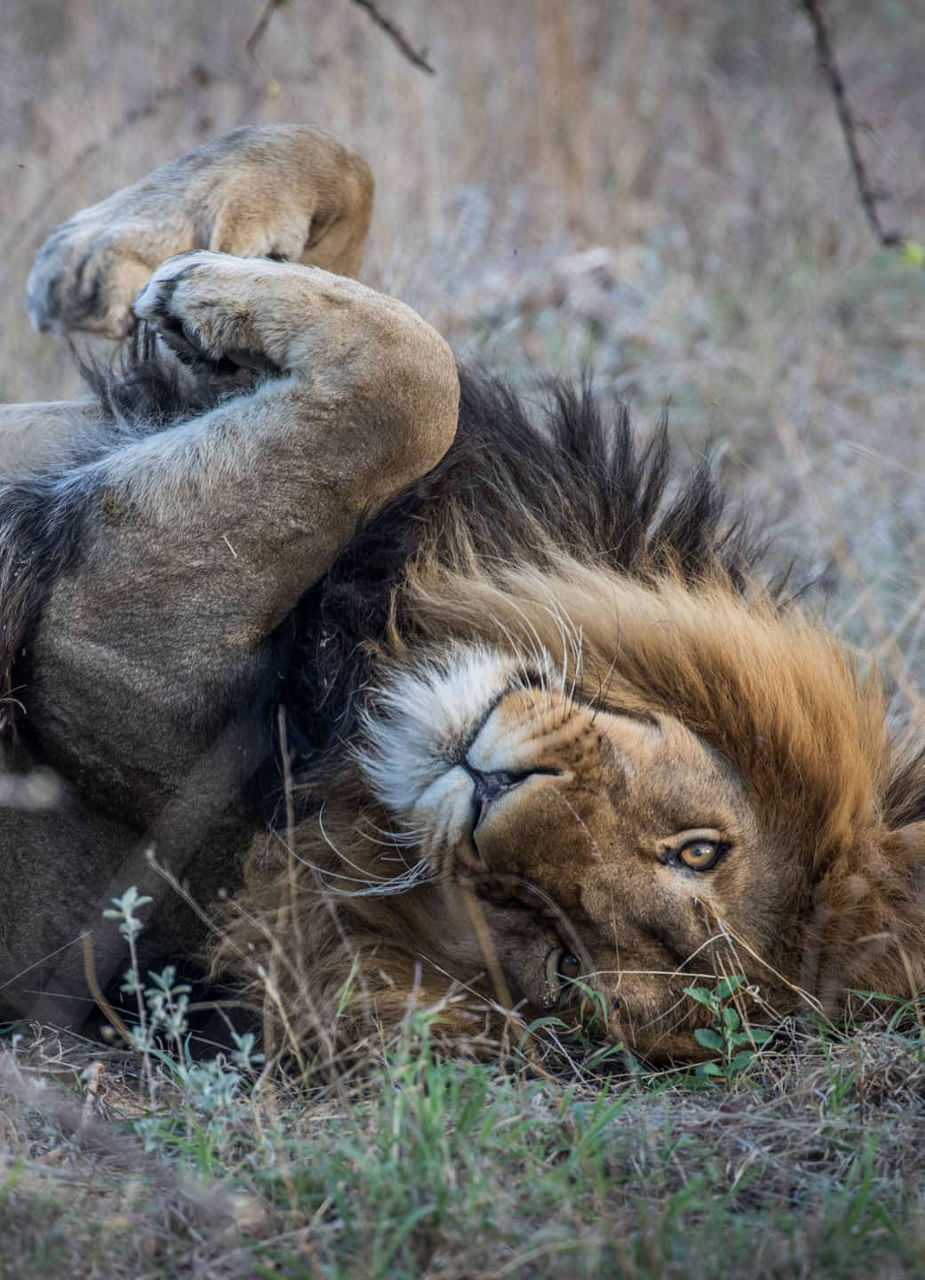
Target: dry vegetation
{"points": [[658, 193], [810, 1164]]}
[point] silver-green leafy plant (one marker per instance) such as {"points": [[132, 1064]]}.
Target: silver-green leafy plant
{"points": [[213, 1091]]}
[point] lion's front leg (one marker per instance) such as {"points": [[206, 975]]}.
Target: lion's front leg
{"points": [[196, 542], [283, 191], [183, 551]]}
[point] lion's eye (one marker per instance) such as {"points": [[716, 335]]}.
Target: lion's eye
{"points": [[701, 855], [562, 966]]}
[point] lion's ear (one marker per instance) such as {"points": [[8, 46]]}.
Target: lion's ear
{"points": [[866, 926]]}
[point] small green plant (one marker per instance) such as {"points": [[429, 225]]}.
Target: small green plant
{"points": [[733, 1041], [213, 1092], [125, 910]]}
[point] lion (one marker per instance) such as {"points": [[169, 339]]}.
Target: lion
{"points": [[390, 691]]}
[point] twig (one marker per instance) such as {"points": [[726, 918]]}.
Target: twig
{"points": [[86, 942], [263, 22], [869, 197], [417, 58], [397, 36]]}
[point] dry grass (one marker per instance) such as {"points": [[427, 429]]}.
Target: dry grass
{"points": [[810, 1165], [658, 193]]}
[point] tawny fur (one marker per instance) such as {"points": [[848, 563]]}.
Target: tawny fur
{"points": [[767, 687], [477, 680]]}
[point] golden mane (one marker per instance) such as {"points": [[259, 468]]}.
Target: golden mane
{"points": [[768, 686], [567, 546]]}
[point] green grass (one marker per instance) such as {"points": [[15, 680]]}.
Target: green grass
{"points": [[808, 1162]]}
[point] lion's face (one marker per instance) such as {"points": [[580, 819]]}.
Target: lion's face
{"points": [[578, 839]]}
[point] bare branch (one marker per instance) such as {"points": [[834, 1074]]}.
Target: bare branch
{"points": [[417, 58], [869, 195], [262, 23], [397, 36]]}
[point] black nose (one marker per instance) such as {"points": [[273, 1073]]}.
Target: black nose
{"points": [[490, 786]]}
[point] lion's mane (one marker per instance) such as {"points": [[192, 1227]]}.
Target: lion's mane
{"points": [[547, 527], [554, 528]]}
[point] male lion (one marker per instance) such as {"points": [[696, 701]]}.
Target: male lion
{"points": [[465, 700]]}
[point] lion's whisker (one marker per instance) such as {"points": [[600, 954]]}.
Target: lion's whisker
{"points": [[365, 871], [580, 820], [410, 841], [383, 886], [646, 973], [419, 873], [406, 833]]}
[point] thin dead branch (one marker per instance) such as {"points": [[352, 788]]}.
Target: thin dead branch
{"points": [[260, 29], [397, 36], [113, 1018], [417, 57], [869, 196]]}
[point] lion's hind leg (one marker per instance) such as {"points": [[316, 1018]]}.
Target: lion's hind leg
{"points": [[199, 539], [283, 191], [149, 661], [332, 334]]}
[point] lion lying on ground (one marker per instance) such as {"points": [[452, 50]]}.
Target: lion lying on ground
{"points": [[453, 699]]}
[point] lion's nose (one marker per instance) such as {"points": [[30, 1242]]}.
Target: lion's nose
{"points": [[488, 787]]}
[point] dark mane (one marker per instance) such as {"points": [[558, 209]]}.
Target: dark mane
{"points": [[144, 389], [904, 798], [40, 530], [568, 472]]}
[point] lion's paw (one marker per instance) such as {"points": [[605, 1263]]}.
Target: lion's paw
{"points": [[203, 306], [86, 275], [283, 191]]}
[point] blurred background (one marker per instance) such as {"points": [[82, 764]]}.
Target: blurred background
{"points": [[656, 193]]}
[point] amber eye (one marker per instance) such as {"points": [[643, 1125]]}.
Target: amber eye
{"points": [[562, 966], [701, 855]]}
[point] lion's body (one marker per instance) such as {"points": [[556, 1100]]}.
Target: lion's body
{"points": [[453, 691]]}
